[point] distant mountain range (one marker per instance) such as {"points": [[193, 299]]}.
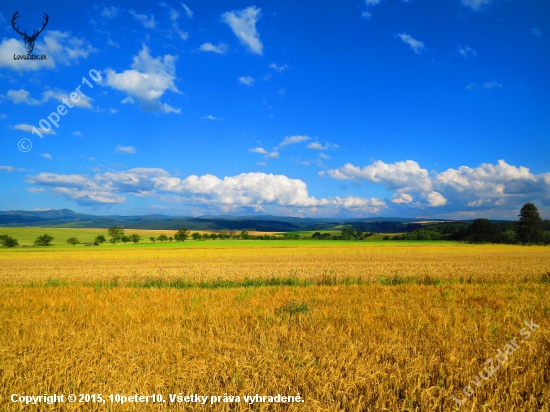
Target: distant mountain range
{"points": [[264, 223]]}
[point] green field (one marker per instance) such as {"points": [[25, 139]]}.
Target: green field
{"points": [[27, 235]]}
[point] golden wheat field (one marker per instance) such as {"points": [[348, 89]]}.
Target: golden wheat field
{"points": [[344, 326]]}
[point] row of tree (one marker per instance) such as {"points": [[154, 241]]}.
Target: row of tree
{"points": [[117, 235], [8, 241], [530, 229], [348, 233]]}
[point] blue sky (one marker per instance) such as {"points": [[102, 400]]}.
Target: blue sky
{"points": [[349, 108]]}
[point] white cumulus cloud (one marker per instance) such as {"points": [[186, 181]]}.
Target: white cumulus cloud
{"points": [[147, 81], [252, 189], [485, 186]]}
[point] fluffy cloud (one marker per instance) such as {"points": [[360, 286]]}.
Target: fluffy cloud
{"points": [[267, 155], [246, 189], [416, 45], [393, 176], [359, 203], [221, 48], [434, 199], [147, 81], [487, 186], [62, 48], [402, 198], [243, 24], [46, 155]]}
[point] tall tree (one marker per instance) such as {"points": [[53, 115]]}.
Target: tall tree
{"points": [[530, 228], [348, 233], [116, 233], [73, 241], [8, 241], [182, 234], [99, 239], [482, 230], [44, 240]]}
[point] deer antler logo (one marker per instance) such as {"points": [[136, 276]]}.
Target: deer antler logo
{"points": [[29, 40]]}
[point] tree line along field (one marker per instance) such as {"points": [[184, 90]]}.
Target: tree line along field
{"points": [[27, 235], [351, 326]]}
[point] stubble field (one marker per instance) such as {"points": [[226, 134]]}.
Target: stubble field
{"points": [[348, 326]]}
